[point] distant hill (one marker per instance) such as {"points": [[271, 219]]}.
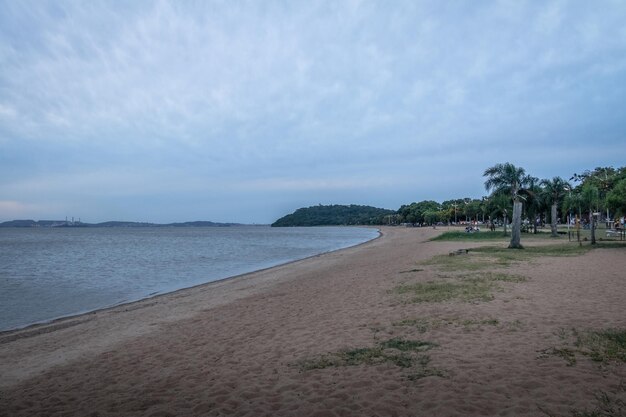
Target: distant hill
{"points": [[65, 223], [334, 215], [40, 223]]}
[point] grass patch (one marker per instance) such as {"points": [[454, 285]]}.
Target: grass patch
{"points": [[399, 352], [425, 371], [483, 235], [604, 345], [468, 288], [458, 235], [530, 252], [360, 356], [489, 257], [407, 345], [607, 345]]}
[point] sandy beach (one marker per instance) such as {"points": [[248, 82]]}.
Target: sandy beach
{"points": [[316, 338]]}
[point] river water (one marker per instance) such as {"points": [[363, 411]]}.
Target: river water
{"points": [[47, 273]]}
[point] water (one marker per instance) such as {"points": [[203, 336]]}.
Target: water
{"points": [[47, 273]]}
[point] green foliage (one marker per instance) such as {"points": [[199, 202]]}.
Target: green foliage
{"points": [[616, 198], [335, 215], [595, 191], [462, 209], [506, 179], [598, 189], [555, 189], [422, 212]]}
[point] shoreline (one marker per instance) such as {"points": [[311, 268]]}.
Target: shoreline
{"points": [[237, 347], [68, 322], [62, 319]]}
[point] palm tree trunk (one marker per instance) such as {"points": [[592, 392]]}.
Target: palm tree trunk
{"points": [[593, 227], [517, 225], [553, 221]]}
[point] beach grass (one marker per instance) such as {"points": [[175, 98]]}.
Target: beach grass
{"points": [[397, 351], [472, 287], [602, 345], [530, 252], [498, 235], [459, 235], [489, 257]]}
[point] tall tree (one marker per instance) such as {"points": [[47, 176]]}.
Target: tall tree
{"points": [[603, 179], [555, 191], [616, 198], [507, 178]]}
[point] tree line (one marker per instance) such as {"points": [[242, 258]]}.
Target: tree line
{"points": [[598, 194], [514, 197]]}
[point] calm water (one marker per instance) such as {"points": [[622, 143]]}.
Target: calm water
{"points": [[53, 272]]}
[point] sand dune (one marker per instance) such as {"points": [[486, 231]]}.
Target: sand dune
{"points": [[240, 347]]}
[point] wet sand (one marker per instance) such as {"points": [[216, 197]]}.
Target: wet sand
{"points": [[237, 347]]}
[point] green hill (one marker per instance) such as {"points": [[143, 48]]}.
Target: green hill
{"points": [[334, 215]]}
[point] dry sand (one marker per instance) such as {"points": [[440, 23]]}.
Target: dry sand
{"points": [[234, 347]]}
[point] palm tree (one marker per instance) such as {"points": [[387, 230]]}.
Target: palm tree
{"points": [[555, 191], [507, 178]]}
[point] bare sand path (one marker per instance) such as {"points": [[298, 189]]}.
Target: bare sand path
{"points": [[236, 347]]}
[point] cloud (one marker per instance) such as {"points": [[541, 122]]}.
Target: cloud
{"points": [[163, 97]]}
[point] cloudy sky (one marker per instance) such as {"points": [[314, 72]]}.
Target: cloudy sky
{"points": [[244, 111]]}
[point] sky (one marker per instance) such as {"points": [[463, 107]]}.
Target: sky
{"points": [[243, 111]]}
